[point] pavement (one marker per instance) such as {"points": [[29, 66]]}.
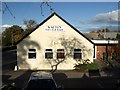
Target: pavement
{"points": [[78, 74]]}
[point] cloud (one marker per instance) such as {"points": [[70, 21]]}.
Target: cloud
{"points": [[23, 26], [110, 17], [3, 27], [7, 26], [102, 20]]}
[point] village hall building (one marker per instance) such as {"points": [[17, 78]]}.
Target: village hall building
{"points": [[54, 42]]}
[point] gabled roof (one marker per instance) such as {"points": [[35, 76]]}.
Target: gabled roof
{"points": [[62, 20]]}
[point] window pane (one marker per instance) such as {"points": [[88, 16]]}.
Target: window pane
{"points": [[77, 56], [48, 55], [31, 55], [60, 55]]}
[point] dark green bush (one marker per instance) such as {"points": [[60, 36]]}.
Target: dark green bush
{"points": [[88, 66]]}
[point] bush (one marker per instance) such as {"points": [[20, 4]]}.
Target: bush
{"points": [[88, 66], [93, 66]]}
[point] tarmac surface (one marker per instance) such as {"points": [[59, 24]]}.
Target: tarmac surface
{"points": [[67, 79], [104, 80]]}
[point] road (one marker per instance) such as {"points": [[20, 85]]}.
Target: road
{"points": [[69, 79]]}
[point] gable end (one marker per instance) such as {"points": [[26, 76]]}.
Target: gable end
{"points": [[62, 20]]}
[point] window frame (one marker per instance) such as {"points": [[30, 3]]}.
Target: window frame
{"points": [[78, 51], [60, 51], [48, 51], [33, 53]]}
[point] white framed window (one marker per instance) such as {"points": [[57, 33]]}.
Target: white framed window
{"points": [[32, 54], [77, 54], [60, 54], [48, 54]]}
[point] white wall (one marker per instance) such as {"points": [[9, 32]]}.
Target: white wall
{"points": [[42, 39]]}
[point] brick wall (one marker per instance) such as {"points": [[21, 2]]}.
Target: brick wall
{"points": [[103, 48], [118, 50]]}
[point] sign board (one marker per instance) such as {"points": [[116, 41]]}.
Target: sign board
{"points": [[54, 28]]}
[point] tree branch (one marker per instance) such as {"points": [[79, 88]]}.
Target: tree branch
{"points": [[7, 8], [48, 5]]}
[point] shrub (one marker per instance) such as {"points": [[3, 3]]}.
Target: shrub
{"points": [[93, 66], [87, 66]]}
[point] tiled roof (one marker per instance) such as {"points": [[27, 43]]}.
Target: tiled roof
{"points": [[101, 35]]}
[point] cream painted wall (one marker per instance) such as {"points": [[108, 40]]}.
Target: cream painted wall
{"points": [[42, 39]]}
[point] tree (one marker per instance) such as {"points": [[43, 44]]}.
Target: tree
{"points": [[30, 24], [93, 32], [69, 44], [105, 30], [98, 31], [11, 35], [118, 36]]}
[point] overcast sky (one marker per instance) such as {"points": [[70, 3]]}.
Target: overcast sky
{"points": [[85, 16]]}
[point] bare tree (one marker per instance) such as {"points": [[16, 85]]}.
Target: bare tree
{"points": [[69, 44]]}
